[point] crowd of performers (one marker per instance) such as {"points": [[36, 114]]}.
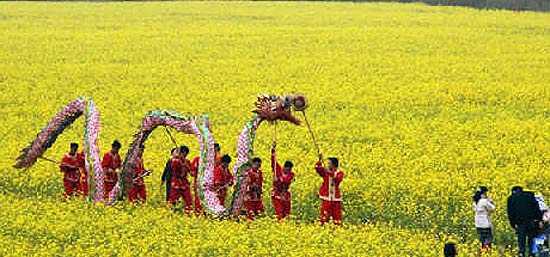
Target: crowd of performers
{"points": [[179, 169]]}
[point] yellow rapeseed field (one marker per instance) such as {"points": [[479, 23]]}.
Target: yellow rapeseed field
{"points": [[421, 104]]}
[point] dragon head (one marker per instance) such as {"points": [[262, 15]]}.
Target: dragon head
{"points": [[273, 108]]}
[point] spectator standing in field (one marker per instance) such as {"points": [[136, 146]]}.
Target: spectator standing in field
{"points": [[539, 245], [524, 214], [450, 250], [483, 206]]}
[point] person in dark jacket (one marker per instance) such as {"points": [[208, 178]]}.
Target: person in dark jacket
{"points": [[523, 213], [167, 174], [450, 249]]}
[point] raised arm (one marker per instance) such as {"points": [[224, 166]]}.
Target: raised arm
{"points": [[321, 170], [275, 167]]}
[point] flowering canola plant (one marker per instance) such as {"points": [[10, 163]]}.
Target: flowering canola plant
{"points": [[421, 105]]}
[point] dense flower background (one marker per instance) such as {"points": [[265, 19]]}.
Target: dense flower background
{"points": [[421, 104]]}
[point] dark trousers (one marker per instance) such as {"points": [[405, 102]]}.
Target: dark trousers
{"points": [[168, 186], [524, 231]]}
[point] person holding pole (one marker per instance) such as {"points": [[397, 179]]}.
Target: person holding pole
{"points": [[167, 173], [138, 191], [282, 178], [110, 163], [70, 165], [253, 196], [223, 178], [329, 192], [180, 188]]}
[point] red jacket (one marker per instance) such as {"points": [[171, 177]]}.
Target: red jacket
{"points": [[254, 187], [140, 170], [70, 166], [222, 176], [110, 163], [195, 170], [180, 170], [330, 188], [281, 182]]}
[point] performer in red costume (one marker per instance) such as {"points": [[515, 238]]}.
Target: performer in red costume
{"points": [[282, 178], [71, 164], [180, 187], [223, 178], [253, 195], [110, 163], [329, 193], [138, 191]]}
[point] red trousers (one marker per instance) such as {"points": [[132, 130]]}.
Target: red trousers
{"points": [[198, 207], [253, 208], [137, 192], [70, 186], [331, 209], [282, 207], [107, 188], [185, 193], [222, 192], [82, 187]]}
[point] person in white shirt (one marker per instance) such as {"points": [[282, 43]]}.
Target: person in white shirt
{"points": [[483, 206]]}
